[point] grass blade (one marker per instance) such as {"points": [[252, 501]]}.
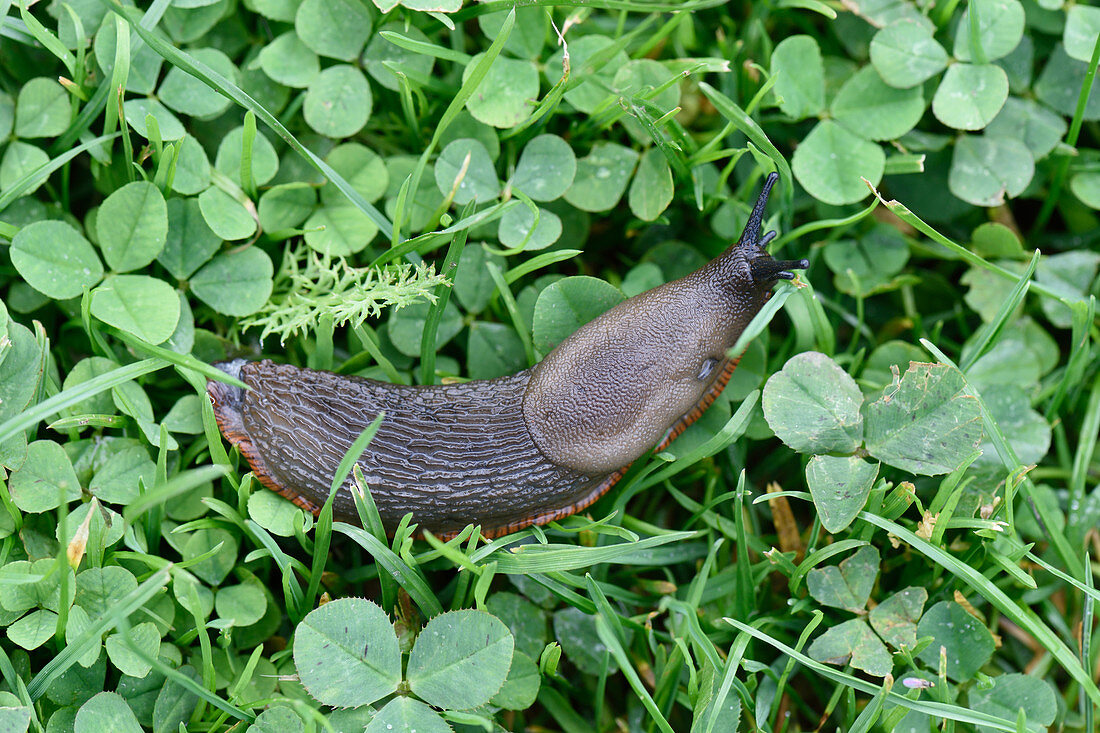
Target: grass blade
{"points": [[73, 395], [120, 610], [408, 578], [1022, 616], [934, 709], [217, 82]]}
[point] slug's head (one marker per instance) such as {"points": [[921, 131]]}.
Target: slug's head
{"points": [[748, 259], [621, 382]]}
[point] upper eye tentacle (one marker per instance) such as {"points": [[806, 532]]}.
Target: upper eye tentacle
{"points": [[751, 234]]}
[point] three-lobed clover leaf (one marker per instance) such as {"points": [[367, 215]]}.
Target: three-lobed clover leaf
{"points": [[839, 486], [847, 585], [966, 643], [853, 642], [926, 422], [831, 163], [106, 711], [813, 405], [347, 655], [460, 659], [566, 305], [55, 259], [895, 619], [1007, 694], [799, 74]]}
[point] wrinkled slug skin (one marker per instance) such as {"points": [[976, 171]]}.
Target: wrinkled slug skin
{"points": [[520, 450], [450, 454]]}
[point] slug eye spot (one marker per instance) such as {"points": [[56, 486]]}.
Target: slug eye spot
{"points": [[706, 369]]}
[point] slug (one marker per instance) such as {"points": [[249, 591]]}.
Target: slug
{"points": [[519, 450]]}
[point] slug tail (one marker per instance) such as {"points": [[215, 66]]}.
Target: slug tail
{"points": [[227, 400]]}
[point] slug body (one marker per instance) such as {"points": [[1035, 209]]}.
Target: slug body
{"points": [[519, 450]]}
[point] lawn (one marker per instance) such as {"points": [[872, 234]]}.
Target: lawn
{"points": [[885, 521]]}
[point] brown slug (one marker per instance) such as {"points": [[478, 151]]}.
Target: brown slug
{"points": [[519, 450]]}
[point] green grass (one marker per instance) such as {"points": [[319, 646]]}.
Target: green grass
{"points": [[885, 523]]}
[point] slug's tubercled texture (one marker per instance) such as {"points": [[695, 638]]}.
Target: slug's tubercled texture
{"points": [[520, 450]]}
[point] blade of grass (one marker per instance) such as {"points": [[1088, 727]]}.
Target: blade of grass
{"points": [[934, 709], [902, 212], [75, 394], [545, 107], [746, 599], [179, 484], [184, 361], [156, 563], [1054, 194], [248, 137], [562, 711], [51, 42], [820, 224], [538, 262], [449, 270], [870, 714], [100, 99], [188, 63], [63, 565], [638, 110], [292, 589], [423, 48], [119, 76], [761, 320], [990, 331], [1087, 706], [1087, 588], [1012, 462], [974, 35], [117, 613], [369, 339], [452, 550], [1086, 448], [748, 127], [513, 312], [205, 651], [788, 668], [323, 532], [731, 431], [1022, 616], [426, 242], [1080, 353], [633, 6], [607, 636], [407, 577], [526, 559], [703, 513], [15, 683], [729, 679]]}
